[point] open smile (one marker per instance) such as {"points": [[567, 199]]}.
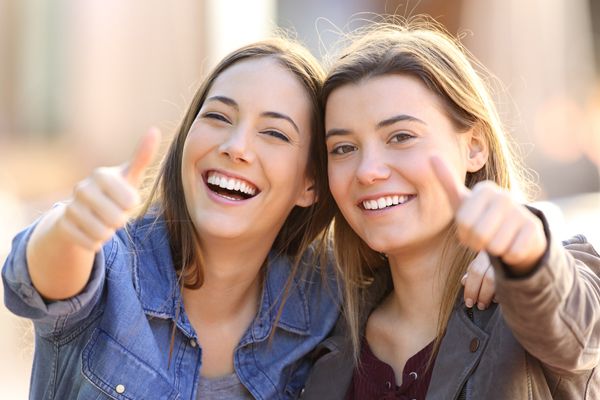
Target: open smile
{"points": [[383, 202], [230, 187]]}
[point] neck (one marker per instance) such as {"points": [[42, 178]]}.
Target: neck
{"points": [[418, 286], [232, 282]]}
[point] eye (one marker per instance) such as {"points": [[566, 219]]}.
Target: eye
{"points": [[342, 149], [216, 116], [277, 135], [401, 137]]}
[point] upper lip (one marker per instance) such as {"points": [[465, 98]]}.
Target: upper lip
{"points": [[228, 174]]}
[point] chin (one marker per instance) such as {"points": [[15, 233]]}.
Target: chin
{"points": [[218, 228], [380, 246]]}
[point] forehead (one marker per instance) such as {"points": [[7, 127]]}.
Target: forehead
{"points": [[380, 97], [263, 83]]}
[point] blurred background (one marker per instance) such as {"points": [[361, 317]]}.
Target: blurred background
{"points": [[81, 81]]}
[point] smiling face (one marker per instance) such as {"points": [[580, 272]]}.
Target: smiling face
{"points": [[245, 157], [380, 134]]}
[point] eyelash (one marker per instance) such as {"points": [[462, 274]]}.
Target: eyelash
{"points": [[277, 135], [397, 138], [271, 132], [216, 116], [403, 135], [337, 149]]}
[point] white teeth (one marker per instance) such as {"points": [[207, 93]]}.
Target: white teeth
{"points": [[383, 202], [230, 183]]}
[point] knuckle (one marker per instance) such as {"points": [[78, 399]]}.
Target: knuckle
{"points": [[462, 225], [131, 199], [489, 278], [100, 172], [80, 188], [495, 248], [106, 233], [486, 187], [118, 221], [70, 212]]}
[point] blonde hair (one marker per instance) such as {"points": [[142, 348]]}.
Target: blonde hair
{"points": [[420, 48]]}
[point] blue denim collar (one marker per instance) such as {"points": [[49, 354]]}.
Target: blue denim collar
{"points": [[157, 287]]}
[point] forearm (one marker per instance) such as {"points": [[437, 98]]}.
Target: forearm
{"points": [[555, 311], [59, 267]]}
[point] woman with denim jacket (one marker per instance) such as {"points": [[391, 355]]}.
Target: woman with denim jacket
{"points": [[211, 291], [420, 169]]}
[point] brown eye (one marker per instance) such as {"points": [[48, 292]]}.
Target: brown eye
{"points": [[401, 137], [343, 149]]}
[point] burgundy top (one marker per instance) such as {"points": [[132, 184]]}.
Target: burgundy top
{"points": [[375, 380]]}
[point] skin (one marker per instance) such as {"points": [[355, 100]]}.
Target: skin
{"points": [[61, 250], [390, 136], [242, 131]]}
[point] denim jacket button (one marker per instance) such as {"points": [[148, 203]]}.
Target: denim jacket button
{"points": [[120, 388], [193, 343]]}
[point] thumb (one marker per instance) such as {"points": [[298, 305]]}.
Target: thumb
{"points": [[142, 158], [455, 190]]}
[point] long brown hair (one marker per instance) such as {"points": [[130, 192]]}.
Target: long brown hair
{"points": [[303, 225], [423, 49]]}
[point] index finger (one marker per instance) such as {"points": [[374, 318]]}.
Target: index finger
{"points": [[455, 190], [143, 156]]}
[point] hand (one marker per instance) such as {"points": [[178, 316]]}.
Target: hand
{"points": [[488, 218], [102, 203], [479, 282]]}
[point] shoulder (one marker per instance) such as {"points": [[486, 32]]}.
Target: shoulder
{"points": [[312, 297]]}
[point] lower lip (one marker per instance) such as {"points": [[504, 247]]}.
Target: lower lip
{"points": [[224, 200]]}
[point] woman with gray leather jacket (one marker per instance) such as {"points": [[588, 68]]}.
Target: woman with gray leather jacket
{"points": [[420, 169]]}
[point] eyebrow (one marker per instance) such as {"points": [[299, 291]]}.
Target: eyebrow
{"points": [[398, 118], [225, 100], [381, 124], [273, 114], [268, 114]]}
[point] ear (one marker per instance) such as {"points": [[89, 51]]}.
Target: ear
{"points": [[308, 196], [477, 149]]}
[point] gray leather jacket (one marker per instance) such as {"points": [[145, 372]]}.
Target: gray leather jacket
{"points": [[541, 342]]}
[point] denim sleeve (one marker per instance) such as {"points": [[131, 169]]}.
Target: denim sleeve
{"points": [[49, 317]]}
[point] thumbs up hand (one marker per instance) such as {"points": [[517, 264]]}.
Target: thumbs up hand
{"points": [[488, 218], [102, 203]]}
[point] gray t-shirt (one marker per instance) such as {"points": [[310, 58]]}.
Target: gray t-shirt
{"points": [[226, 387]]}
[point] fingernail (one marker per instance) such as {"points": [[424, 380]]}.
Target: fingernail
{"points": [[468, 303], [481, 306]]}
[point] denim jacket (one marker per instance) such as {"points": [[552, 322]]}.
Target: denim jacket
{"points": [[112, 340]]}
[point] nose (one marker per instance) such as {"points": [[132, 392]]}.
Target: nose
{"points": [[237, 145], [372, 167]]}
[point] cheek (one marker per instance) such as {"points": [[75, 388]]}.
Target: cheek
{"points": [[339, 183]]}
